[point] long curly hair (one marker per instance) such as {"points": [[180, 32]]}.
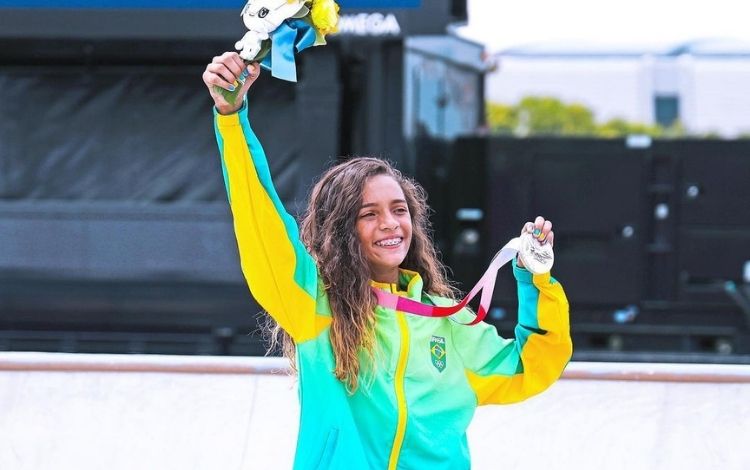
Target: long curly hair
{"points": [[328, 230]]}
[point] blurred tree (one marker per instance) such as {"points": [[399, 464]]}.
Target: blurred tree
{"points": [[501, 119], [549, 116], [619, 127]]}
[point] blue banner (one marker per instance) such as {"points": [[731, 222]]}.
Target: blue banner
{"points": [[379, 3], [151, 4], [188, 4]]}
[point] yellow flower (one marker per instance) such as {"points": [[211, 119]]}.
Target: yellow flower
{"points": [[325, 16]]}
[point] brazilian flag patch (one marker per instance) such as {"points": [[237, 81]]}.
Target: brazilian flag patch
{"points": [[437, 352]]}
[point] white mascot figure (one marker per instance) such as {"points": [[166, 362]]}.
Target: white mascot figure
{"points": [[262, 17]]}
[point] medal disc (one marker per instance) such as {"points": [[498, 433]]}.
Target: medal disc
{"points": [[536, 257]]}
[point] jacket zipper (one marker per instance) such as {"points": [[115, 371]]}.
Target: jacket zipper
{"points": [[400, 394]]}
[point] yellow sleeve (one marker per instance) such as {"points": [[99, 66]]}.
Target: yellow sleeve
{"points": [[510, 370], [281, 274]]}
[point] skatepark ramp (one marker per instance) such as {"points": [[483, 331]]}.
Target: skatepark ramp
{"points": [[93, 412]]}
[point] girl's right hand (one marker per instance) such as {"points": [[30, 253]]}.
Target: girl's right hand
{"points": [[225, 71]]}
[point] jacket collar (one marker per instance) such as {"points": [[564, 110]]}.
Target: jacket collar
{"points": [[409, 285]]}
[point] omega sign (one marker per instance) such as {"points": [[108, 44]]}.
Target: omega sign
{"points": [[369, 24]]}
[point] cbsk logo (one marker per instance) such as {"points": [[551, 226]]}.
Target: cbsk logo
{"points": [[438, 352]]}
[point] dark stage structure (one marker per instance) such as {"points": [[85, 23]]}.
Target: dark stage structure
{"points": [[654, 236], [116, 235]]}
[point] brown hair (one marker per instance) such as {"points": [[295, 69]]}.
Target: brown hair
{"points": [[328, 230]]}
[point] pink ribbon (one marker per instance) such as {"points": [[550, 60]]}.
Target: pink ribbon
{"points": [[486, 284]]}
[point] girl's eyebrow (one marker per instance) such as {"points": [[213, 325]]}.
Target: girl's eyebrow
{"points": [[375, 204]]}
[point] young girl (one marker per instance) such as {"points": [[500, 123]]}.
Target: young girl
{"points": [[379, 389]]}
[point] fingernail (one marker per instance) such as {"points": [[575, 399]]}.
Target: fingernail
{"points": [[245, 73], [542, 237], [231, 88], [537, 232]]}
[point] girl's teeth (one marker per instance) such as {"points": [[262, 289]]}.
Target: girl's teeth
{"points": [[390, 242]]}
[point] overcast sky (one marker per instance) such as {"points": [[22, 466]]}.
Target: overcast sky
{"points": [[500, 24]]}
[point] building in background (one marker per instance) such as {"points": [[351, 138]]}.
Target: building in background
{"points": [[703, 85], [443, 86]]}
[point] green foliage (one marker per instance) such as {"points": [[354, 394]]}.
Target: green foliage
{"points": [[501, 118], [620, 127], [548, 116]]}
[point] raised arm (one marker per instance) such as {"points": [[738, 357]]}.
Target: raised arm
{"points": [[510, 370], [281, 274]]}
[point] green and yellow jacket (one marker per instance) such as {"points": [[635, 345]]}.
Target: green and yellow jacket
{"points": [[413, 408]]}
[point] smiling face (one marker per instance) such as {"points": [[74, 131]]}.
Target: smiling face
{"points": [[384, 227]]}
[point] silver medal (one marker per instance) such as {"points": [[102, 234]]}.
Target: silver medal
{"points": [[536, 257]]}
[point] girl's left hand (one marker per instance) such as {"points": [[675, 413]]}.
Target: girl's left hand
{"points": [[540, 229]]}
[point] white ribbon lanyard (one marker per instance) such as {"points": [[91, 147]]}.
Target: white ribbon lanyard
{"points": [[535, 256]]}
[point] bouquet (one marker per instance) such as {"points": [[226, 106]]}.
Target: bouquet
{"points": [[277, 29]]}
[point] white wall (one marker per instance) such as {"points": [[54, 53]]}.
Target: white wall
{"points": [[94, 412], [714, 92], [610, 87], [720, 96]]}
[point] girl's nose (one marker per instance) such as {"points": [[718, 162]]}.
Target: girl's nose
{"points": [[388, 223]]}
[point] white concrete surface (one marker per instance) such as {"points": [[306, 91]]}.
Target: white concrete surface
{"points": [[78, 412]]}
